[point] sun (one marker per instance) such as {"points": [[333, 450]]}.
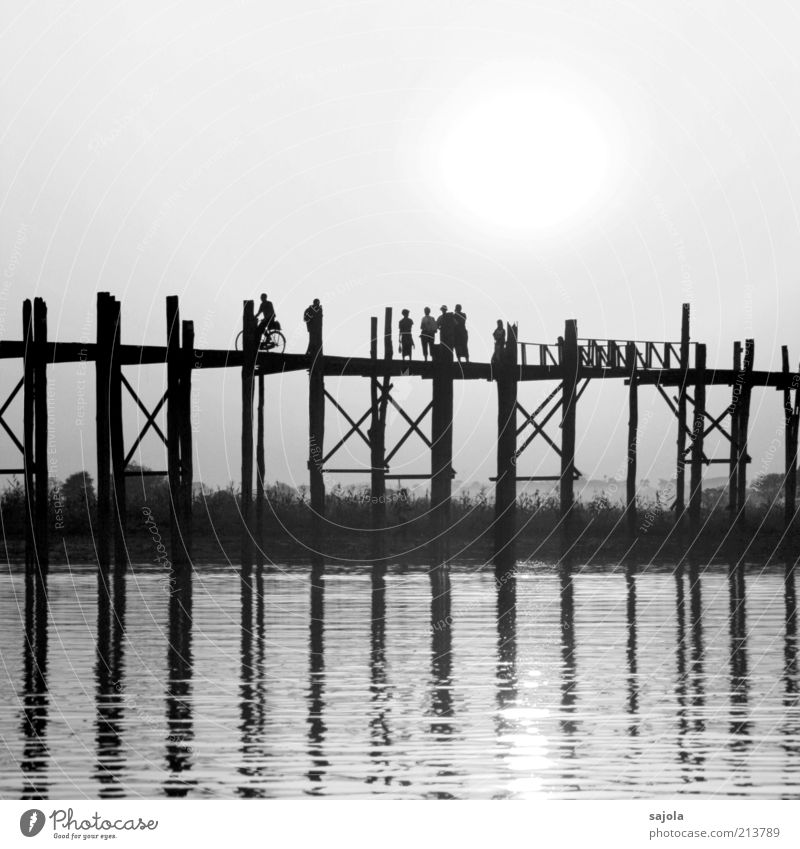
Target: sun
{"points": [[525, 160]]}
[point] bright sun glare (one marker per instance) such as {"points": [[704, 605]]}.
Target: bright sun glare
{"points": [[525, 160]]}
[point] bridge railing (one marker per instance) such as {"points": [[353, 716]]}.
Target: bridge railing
{"points": [[606, 353]]}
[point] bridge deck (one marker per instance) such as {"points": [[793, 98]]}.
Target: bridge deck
{"points": [[338, 366]]}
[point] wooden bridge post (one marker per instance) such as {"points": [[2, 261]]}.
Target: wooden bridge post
{"points": [[316, 441], [28, 359], [633, 437], [185, 428], [790, 445], [680, 472], [744, 421], [116, 433], [250, 353], [105, 334], [570, 370], [733, 477], [40, 427], [377, 434], [260, 475], [441, 458], [174, 412], [698, 431], [505, 501]]}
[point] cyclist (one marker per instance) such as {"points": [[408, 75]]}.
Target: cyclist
{"points": [[269, 321]]}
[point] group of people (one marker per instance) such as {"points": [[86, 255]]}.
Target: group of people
{"points": [[451, 327]]}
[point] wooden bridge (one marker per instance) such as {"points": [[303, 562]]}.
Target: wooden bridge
{"points": [[570, 364]]}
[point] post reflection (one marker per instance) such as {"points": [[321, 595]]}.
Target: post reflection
{"points": [[35, 699], [506, 646], [740, 724], [568, 666], [681, 678], [252, 691], [316, 685], [109, 690], [697, 668], [442, 728], [790, 729], [179, 686], [630, 654], [379, 732]]}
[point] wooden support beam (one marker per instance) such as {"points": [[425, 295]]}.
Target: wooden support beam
{"points": [[103, 430], [173, 426], [791, 414], [633, 437], [733, 476], [185, 432], [570, 379], [698, 436], [505, 502], [441, 457], [377, 440], [680, 472], [260, 476], [40, 433], [116, 435], [27, 435], [744, 421], [316, 441], [250, 350]]}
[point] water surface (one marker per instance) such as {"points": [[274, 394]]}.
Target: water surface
{"points": [[599, 685]]}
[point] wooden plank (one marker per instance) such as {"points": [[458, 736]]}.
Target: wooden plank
{"points": [[570, 378], [27, 434], [744, 422], [733, 476], [441, 458], [116, 436], [698, 436], [103, 432], [249, 349], [316, 442], [260, 475], [505, 502], [633, 427], [790, 412], [173, 425], [680, 471], [185, 434]]}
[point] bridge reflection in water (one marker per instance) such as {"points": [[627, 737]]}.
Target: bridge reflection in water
{"points": [[555, 683]]}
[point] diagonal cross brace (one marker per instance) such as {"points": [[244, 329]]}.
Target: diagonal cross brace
{"points": [[3, 422], [414, 427], [151, 419]]}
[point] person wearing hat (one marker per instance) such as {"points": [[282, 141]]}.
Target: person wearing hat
{"points": [[313, 319], [446, 325], [406, 339]]}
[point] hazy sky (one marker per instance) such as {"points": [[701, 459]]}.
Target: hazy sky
{"points": [[360, 153]]}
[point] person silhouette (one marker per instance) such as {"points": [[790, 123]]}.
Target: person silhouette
{"points": [[313, 319], [269, 321], [446, 326], [406, 339], [460, 335], [499, 337], [428, 329]]}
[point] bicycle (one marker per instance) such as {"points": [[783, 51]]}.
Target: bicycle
{"points": [[271, 340]]}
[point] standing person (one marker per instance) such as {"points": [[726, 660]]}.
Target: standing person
{"points": [[313, 319], [499, 337], [445, 323], [428, 328], [461, 336], [406, 339]]}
